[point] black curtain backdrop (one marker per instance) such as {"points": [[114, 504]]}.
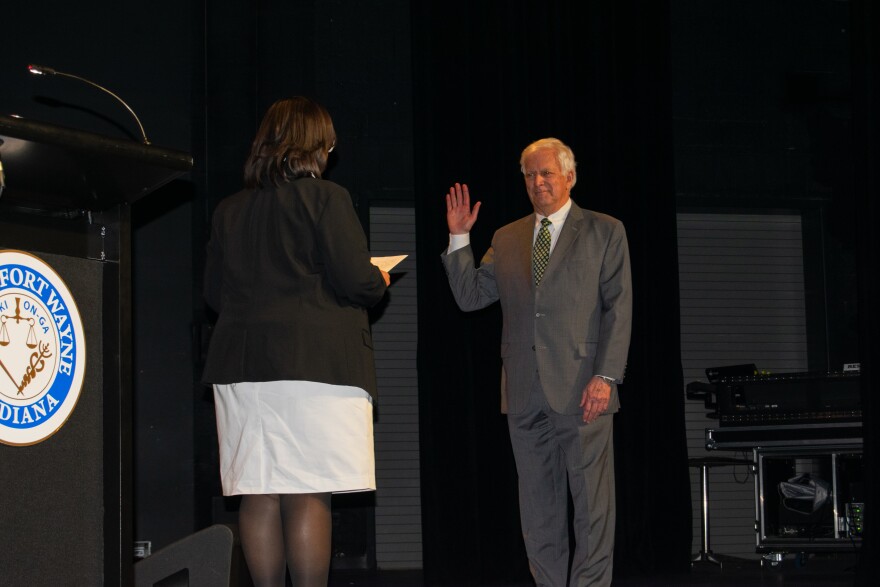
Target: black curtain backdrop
{"points": [[866, 133], [492, 77]]}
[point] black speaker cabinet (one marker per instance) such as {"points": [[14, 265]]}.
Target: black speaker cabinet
{"points": [[65, 350]]}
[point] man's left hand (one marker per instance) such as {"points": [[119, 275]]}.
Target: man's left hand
{"points": [[595, 398]]}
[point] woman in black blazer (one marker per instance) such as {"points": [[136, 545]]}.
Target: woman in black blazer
{"points": [[291, 360]]}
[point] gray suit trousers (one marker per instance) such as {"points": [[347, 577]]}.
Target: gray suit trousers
{"points": [[555, 453]]}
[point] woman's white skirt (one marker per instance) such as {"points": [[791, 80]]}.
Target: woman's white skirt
{"points": [[294, 437]]}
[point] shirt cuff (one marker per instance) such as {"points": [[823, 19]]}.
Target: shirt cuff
{"points": [[458, 241]]}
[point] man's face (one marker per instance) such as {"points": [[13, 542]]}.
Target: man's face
{"points": [[547, 186]]}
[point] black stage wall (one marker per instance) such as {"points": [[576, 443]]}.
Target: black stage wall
{"points": [[491, 79], [751, 83], [866, 161], [486, 78]]}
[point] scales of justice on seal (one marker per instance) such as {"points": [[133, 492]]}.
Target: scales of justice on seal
{"points": [[34, 359], [31, 341], [66, 464]]}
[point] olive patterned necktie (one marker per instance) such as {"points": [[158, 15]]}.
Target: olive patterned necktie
{"points": [[541, 252]]}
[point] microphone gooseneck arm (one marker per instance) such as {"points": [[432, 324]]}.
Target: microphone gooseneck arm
{"points": [[41, 70]]}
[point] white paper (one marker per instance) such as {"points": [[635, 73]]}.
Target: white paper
{"points": [[387, 263]]}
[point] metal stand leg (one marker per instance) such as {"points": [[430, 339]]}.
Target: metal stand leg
{"points": [[705, 554]]}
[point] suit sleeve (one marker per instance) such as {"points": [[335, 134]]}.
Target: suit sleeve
{"points": [[615, 288], [472, 288], [343, 243]]}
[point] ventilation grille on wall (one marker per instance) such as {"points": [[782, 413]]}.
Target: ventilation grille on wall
{"points": [[398, 495]]}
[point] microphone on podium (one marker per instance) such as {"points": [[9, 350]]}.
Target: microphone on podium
{"points": [[42, 70]]}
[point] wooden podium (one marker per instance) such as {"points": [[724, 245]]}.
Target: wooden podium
{"points": [[66, 500]]}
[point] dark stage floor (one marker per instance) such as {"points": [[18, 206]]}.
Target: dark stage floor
{"points": [[826, 570]]}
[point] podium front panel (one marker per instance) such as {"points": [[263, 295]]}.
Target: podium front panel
{"points": [[56, 498]]}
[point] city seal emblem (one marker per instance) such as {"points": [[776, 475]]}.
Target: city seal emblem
{"points": [[42, 350]]}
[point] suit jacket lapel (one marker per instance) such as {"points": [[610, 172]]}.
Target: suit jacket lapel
{"points": [[526, 231], [570, 230]]}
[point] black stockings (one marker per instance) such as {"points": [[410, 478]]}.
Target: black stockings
{"points": [[292, 531]]}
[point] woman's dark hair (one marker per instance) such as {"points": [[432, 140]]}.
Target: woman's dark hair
{"points": [[294, 140]]}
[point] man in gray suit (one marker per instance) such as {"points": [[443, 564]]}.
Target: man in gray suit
{"points": [[564, 344]]}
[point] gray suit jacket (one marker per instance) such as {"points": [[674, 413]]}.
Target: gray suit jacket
{"points": [[575, 324]]}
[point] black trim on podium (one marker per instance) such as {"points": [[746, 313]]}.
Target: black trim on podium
{"points": [[53, 168], [66, 503]]}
